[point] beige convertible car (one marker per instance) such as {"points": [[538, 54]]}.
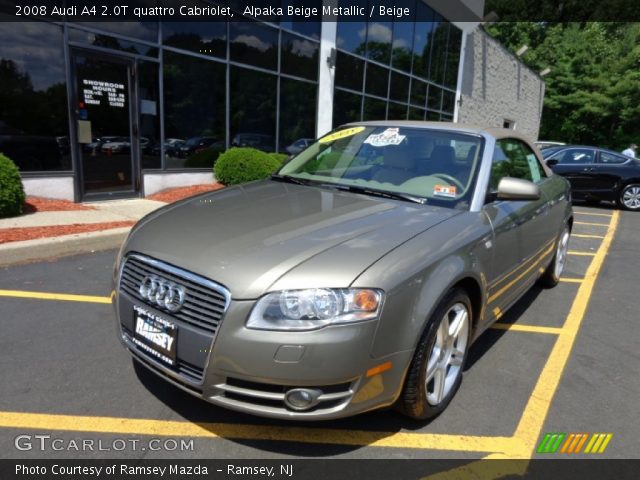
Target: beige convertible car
{"points": [[354, 278]]}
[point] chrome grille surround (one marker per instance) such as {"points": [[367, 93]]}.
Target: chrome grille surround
{"points": [[205, 301]]}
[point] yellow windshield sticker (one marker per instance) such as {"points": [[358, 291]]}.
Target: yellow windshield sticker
{"points": [[347, 132]]}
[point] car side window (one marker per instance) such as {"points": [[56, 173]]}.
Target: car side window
{"points": [[537, 172], [509, 160], [610, 158], [575, 156]]}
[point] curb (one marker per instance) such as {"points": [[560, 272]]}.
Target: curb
{"points": [[13, 253]]}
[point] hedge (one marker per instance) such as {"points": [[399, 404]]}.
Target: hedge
{"points": [[242, 164], [11, 191]]}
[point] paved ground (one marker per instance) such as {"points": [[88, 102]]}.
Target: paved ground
{"points": [[562, 360]]}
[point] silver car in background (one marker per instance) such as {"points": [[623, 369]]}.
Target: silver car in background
{"points": [[355, 278]]}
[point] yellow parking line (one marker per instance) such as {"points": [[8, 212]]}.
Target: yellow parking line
{"points": [[581, 235], [54, 296], [592, 223], [571, 280], [535, 413], [585, 254], [580, 212], [308, 434], [527, 328]]}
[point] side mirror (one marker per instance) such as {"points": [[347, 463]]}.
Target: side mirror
{"points": [[511, 188], [551, 162]]}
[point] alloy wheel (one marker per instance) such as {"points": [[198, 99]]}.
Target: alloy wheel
{"points": [[631, 197], [447, 355], [561, 253]]}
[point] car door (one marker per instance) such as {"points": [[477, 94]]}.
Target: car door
{"points": [[576, 165], [522, 235], [607, 173]]}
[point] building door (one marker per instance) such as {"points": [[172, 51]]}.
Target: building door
{"points": [[107, 141]]}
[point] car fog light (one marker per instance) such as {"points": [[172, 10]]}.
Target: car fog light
{"points": [[302, 398]]}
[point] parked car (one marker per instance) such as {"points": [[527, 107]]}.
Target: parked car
{"points": [[597, 174], [542, 144], [117, 145], [299, 145], [254, 140], [195, 144], [339, 286]]}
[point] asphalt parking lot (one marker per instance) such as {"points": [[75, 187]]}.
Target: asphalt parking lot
{"points": [[562, 360]]}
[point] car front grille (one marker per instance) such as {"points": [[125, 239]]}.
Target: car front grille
{"points": [[205, 301]]}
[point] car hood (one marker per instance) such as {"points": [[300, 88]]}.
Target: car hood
{"points": [[270, 235]]}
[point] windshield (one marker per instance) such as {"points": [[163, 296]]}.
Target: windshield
{"points": [[436, 165]]}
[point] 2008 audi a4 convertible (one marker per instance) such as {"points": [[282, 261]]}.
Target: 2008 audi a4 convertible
{"points": [[354, 278]]}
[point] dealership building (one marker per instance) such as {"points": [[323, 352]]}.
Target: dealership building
{"points": [[92, 111]]}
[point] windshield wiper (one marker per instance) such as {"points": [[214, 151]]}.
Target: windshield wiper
{"points": [[290, 179], [378, 193]]}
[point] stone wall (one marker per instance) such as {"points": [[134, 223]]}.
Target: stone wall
{"points": [[497, 87]]}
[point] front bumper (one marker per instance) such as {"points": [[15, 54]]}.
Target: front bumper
{"points": [[251, 370]]}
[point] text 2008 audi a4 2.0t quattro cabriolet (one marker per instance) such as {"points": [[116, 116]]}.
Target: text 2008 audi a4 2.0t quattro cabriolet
{"points": [[355, 278]]}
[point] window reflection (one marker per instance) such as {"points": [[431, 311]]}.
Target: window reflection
{"points": [[33, 96], [396, 111], [254, 44], [435, 98], [374, 109], [107, 41], [346, 107], [299, 56], [377, 80], [206, 38], [306, 27], [149, 96], [416, 113], [351, 35], [349, 71], [439, 52], [402, 42], [253, 109], [418, 92], [379, 41], [453, 57], [143, 30], [399, 88], [194, 111], [422, 40], [297, 111]]}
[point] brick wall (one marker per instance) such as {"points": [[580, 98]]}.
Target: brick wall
{"points": [[496, 87]]}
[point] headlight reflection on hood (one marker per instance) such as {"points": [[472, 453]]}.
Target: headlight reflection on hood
{"points": [[314, 308]]}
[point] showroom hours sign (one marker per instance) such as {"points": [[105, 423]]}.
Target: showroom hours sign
{"points": [[97, 92]]}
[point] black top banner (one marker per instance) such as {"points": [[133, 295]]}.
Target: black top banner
{"points": [[318, 10]]}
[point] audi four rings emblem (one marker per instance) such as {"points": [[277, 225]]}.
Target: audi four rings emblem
{"points": [[162, 293]]}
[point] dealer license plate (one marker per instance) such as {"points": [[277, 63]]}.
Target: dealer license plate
{"points": [[155, 335]]}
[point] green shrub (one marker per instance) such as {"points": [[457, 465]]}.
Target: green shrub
{"points": [[11, 191], [203, 159], [240, 165], [280, 157]]}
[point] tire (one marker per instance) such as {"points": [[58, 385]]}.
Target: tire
{"points": [[444, 357], [551, 276], [629, 197]]}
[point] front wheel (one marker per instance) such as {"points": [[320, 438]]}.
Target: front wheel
{"points": [[551, 275], [630, 197], [435, 373]]}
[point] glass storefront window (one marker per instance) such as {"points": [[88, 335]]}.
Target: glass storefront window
{"points": [[416, 113], [374, 109], [142, 30], [435, 98], [308, 28], [418, 92], [297, 111], [34, 125], [448, 101], [402, 42], [349, 71], [352, 35], [149, 108], [377, 80], [299, 56], [112, 43], [379, 36], [399, 89], [439, 52], [254, 44], [346, 107], [453, 57], [194, 111], [396, 111], [206, 38], [253, 109], [422, 39]]}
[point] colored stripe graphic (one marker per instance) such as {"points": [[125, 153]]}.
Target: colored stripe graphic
{"points": [[573, 443]]}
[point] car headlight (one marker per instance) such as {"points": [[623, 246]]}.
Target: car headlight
{"points": [[314, 308]]}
